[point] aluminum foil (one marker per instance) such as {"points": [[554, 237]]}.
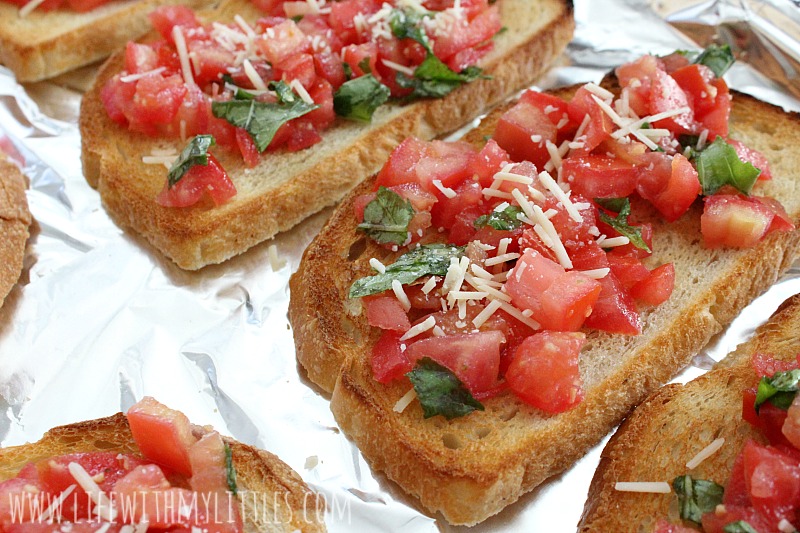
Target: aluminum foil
{"points": [[100, 319]]}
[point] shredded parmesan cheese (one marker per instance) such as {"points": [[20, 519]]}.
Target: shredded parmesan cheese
{"points": [[301, 91], [659, 487], [447, 191], [134, 77], [25, 10], [430, 284], [422, 327], [705, 453], [377, 266], [104, 507], [183, 55], [405, 401], [397, 288], [613, 242], [597, 273], [786, 527], [253, 76], [487, 312]]}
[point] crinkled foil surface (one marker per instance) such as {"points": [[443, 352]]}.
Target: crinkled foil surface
{"points": [[99, 319]]}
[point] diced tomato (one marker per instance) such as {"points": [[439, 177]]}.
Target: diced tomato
{"points": [[629, 152], [736, 488], [448, 162], [155, 102], [754, 157], [468, 34], [628, 269], [489, 162], [402, 163], [210, 62], [662, 526], [444, 212], [139, 58], [421, 300], [544, 371], [600, 176], [614, 311], [285, 40], [657, 287], [247, 147], [116, 96], [473, 357], [670, 184], [767, 365], [588, 256], [600, 125], [298, 67], [85, 526], [329, 67], [343, 15], [163, 435], [556, 109], [714, 522], [674, 61], [636, 79], [356, 54], [164, 18], [207, 457], [558, 300], [386, 312], [715, 119], [199, 180], [773, 481], [573, 233], [389, 361], [734, 221], [695, 80], [518, 127], [667, 95]]}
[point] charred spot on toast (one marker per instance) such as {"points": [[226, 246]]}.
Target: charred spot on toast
{"points": [[357, 249]]}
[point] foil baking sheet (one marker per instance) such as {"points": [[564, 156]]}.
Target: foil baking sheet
{"points": [[100, 319]]}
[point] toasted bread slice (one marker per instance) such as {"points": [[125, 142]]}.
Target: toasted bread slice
{"points": [[287, 187], [283, 502], [43, 44], [14, 222], [472, 467], [673, 425]]}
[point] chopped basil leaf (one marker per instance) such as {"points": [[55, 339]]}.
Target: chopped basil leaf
{"points": [[505, 220], [440, 392], [195, 153], [717, 165], [428, 260], [739, 527], [407, 24], [231, 470], [262, 120], [696, 497], [434, 79], [613, 204], [620, 224], [779, 390], [359, 98], [718, 58], [348, 71], [386, 218]]}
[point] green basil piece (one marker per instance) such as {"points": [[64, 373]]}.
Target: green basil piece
{"points": [[620, 223], [739, 527], [779, 390], [386, 218], [230, 471], [428, 260], [434, 79], [613, 204], [718, 58], [696, 497], [358, 98], [717, 165], [440, 392], [260, 119], [194, 153], [505, 220]]}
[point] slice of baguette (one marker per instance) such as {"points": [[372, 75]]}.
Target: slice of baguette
{"points": [[283, 502], [15, 218], [287, 187], [43, 44], [472, 467], [673, 425]]}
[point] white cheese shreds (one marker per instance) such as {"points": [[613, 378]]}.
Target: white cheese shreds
{"points": [[487, 312], [497, 194], [56, 504], [438, 332], [516, 313], [104, 507], [447, 191], [480, 272], [659, 487], [469, 295], [25, 10], [624, 123], [701, 140], [551, 185], [786, 526], [462, 313], [398, 67], [249, 31], [547, 229], [134, 77], [301, 91], [502, 176], [404, 402], [613, 242], [397, 288], [165, 160], [430, 284], [597, 273], [455, 276], [705, 453], [599, 91], [422, 327], [183, 55], [252, 75], [492, 292], [501, 259], [377, 266]]}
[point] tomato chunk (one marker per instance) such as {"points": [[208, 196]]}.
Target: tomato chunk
{"points": [[197, 181], [734, 221], [544, 371], [163, 435], [386, 312], [388, 360]]}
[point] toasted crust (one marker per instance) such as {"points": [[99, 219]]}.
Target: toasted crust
{"points": [[44, 44], [472, 467], [673, 425], [287, 187], [14, 222], [273, 495]]}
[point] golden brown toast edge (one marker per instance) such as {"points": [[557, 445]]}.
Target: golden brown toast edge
{"points": [[15, 218]]}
